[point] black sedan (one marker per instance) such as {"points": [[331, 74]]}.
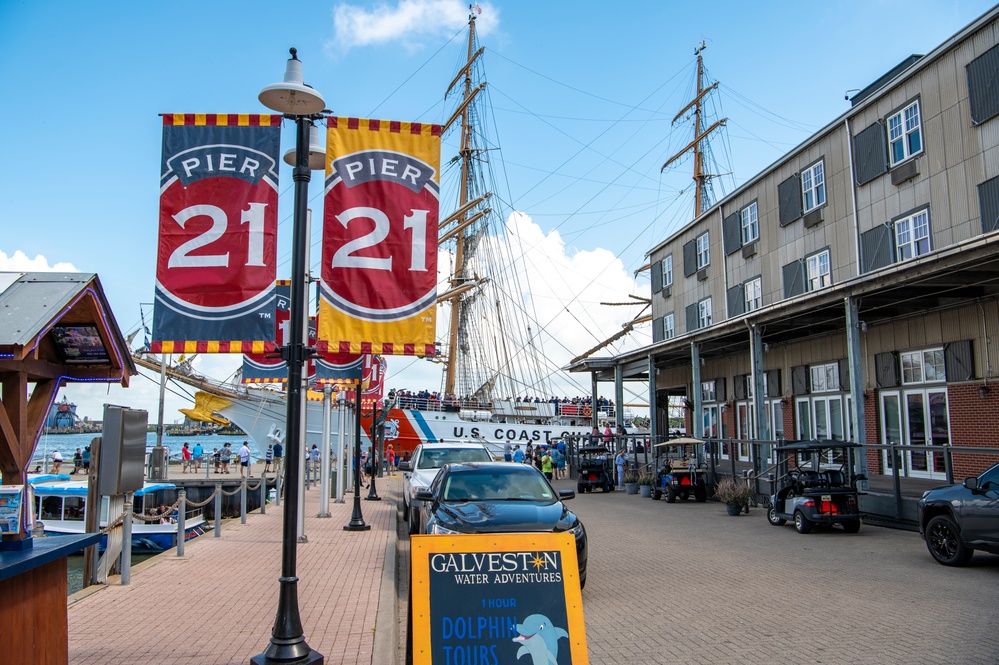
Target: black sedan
{"points": [[498, 497]]}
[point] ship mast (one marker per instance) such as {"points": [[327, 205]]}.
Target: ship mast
{"points": [[701, 201]]}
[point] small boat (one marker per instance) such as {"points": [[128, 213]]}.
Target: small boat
{"points": [[61, 507]]}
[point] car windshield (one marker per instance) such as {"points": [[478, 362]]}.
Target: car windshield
{"points": [[435, 459], [497, 485]]}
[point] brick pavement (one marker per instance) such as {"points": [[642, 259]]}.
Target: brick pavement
{"points": [[686, 583], [216, 605]]}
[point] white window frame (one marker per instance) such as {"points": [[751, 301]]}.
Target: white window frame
{"points": [[914, 366], [818, 270], [912, 236], [669, 329], [750, 223], [703, 246], [903, 128], [813, 186], [668, 271], [703, 313], [752, 292], [709, 392], [824, 378]]}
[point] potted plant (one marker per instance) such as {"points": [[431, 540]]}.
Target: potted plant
{"points": [[645, 480], [631, 481], [734, 494]]}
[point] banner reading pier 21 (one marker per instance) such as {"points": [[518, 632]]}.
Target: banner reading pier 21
{"points": [[488, 599]]}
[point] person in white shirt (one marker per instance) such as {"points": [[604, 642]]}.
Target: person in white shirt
{"points": [[56, 461], [244, 460]]}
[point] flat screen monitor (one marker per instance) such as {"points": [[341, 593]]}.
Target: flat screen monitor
{"points": [[80, 345]]}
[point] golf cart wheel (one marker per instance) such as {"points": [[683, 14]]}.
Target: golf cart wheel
{"points": [[670, 494], [773, 519], [943, 540], [700, 494], [684, 494], [609, 487], [802, 523], [580, 488], [657, 494], [853, 526]]}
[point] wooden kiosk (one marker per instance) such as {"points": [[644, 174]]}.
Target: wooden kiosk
{"points": [[54, 328]]}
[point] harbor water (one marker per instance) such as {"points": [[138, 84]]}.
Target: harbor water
{"points": [[67, 444]]}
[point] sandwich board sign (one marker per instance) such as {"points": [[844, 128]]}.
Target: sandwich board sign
{"points": [[492, 599]]}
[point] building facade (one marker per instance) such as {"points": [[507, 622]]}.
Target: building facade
{"points": [[851, 290]]}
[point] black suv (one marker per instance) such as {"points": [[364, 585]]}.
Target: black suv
{"points": [[956, 520]]}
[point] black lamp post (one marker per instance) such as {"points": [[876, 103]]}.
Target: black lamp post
{"points": [[357, 522], [303, 104], [379, 416]]}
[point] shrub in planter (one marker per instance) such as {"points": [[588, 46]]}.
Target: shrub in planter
{"points": [[734, 494], [631, 481]]}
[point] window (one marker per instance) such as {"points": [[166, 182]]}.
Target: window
{"points": [[703, 253], [912, 236], [925, 366], [904, 134], [668, 271], [825, 378], [668, 330], [818, 271], [708, 391], [704, 313], [754, 294], [750, 224], [813, 186]]}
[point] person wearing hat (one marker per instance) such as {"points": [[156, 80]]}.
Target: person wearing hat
{"points": [[244, 459]]}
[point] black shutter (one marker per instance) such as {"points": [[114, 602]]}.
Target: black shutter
{"points": [[799, 380], [739, 386], [773, 383], [657, 277], [789, 199], [691, 312], [886, 369], [844, 374], [870, 153], [877, 248], [736, 301], [720, 389], [794, 278], [988, 204], [689, 259], [983, 86], [732, 233], [958, 361], [658, 333]]}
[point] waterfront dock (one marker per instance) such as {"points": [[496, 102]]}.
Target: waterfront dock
{"points": [[217, 603]]}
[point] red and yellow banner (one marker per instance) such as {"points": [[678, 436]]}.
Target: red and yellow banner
{"points": [[378, 287]]}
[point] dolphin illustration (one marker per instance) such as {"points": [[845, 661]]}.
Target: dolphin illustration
{"points": [[539, 639]]}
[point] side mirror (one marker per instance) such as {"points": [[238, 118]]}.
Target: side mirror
{"points": [[424, 495], [971, 483], [565, 495], [405, 466]]}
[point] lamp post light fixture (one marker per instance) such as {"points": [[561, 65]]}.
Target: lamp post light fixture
{"points": [[293, 99]]}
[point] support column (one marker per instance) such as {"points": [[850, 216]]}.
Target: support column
{"points": [[697, 418], [653, 418], [619, 396], [855, 361], [759, 393]]}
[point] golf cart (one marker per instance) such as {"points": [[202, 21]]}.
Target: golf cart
{"points": [[816, 486], [596, 469], [679, 476]]}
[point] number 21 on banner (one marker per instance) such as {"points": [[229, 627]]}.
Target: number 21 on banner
{"points": [[347, 256], [253, 216]]}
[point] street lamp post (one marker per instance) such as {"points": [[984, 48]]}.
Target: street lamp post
{"points": [[357, 522], [303, 104]]}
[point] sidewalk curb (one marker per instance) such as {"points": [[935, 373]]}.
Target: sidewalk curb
{"points": [[385, 650]]}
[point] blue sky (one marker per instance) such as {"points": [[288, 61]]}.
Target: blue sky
{"points": [[583, 95]]}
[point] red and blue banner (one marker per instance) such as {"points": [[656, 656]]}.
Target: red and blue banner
{"points": [[378, 288], [217, 246]]}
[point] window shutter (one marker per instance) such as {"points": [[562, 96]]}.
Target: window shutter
{"points": [[983, 86], [789, 199], [886, 369], [794, 278], [691, 312], [739, 386], [958, 361], [689, 259], [657, 277], [773, 383], [720, 389], [877, 248], [658, 333], [732, 233], [844, 374], [799, 380], [988, 204], [870, 153], [736, 301]]}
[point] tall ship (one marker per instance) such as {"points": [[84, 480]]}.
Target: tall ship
{"points": [[496, 387]]}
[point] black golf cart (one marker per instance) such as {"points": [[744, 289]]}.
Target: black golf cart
{"points": [[596, 469], [816, 486], [678, 474]]}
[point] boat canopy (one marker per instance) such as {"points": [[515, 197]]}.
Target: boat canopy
{"points": [[79, 488]]}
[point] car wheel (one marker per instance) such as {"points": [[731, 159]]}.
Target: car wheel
{"points": [[773, 519], [405, 511], [670, 495], [802, 523], [582, 581], [853, 526], [943, 540], [414, 522]]}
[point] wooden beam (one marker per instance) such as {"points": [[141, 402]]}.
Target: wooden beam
{"points": [[15, 403]]}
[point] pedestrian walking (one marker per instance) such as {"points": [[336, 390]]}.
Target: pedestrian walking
{"points": [[619, 462], [268, 458], [56, 461], [185, 457], [86, 460], [547, 465], [390, 456], [507, 452], [244, 459], [197, 455], [217, 460], [314, 458], [226, 457], [278, 456], [518, 454], [77, 462]]}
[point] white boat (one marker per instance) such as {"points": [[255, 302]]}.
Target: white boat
{"points": [[61, 507]]}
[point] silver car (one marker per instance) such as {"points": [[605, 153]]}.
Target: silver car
{"points": [[420, 471]]}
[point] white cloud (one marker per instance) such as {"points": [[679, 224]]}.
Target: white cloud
{"points": [[408, 22], [19, 262]]}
